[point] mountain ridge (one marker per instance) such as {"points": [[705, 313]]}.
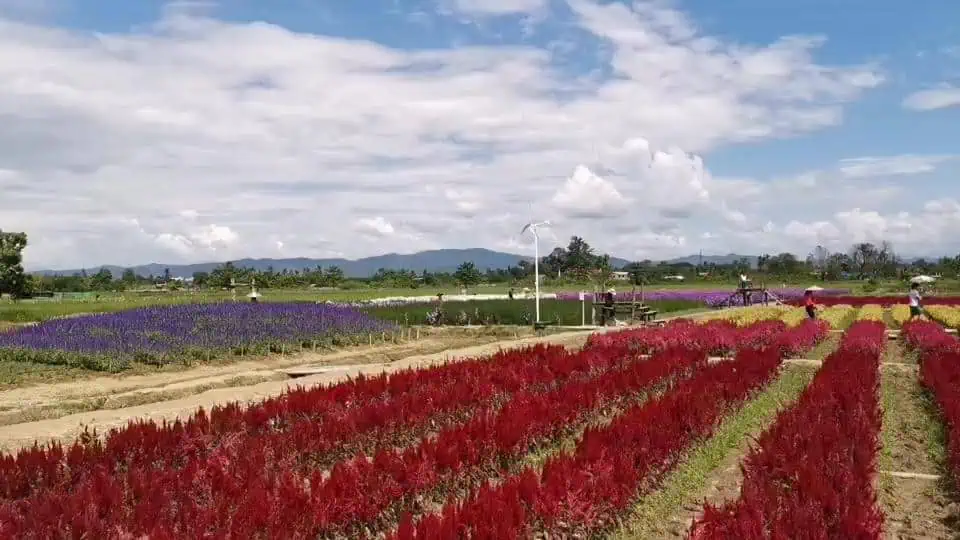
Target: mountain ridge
{"points": [[439, 260]]}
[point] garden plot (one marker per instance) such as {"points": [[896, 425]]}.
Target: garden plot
{"points": [[606, 375], [627, 436]]}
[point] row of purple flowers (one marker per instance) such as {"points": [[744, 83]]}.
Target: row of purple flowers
{"points": [[708, 297]]}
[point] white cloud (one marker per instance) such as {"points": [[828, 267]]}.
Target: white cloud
{"points": [[903, 165], [377, 227], [214, 236], [934, 98], [498, 7], [586, 195], [222, 139]]}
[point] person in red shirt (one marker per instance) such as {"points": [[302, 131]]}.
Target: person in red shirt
{"points": [[809, 304]]}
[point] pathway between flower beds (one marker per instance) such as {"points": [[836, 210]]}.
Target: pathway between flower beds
{"points": [[915, 500]]}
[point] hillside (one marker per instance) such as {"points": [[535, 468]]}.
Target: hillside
{"points": [[439, 260]]}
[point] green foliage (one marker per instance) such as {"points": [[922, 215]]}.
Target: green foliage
{"points": [[510, 312], [13, 280], [467, 274]]}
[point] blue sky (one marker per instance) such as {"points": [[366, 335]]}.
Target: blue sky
{"points": [[751, 118]]}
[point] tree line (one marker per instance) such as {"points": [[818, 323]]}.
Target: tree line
{"points": [[578, 262]]}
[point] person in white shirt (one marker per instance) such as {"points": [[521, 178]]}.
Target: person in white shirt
{"points": [[916, 310]]}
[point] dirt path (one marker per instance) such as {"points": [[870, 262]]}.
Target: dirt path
{"points": [[67, 428], [913, 442]]}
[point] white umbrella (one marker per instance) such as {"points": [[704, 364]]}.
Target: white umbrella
{"points": [[814, 288], [922, 279]]}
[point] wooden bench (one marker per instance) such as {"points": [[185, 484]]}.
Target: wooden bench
{"points": [[641, 312], [543, 324]]}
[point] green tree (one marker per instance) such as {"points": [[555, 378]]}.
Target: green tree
{"points": [[223, 274], [333, 276], [13, 280], [102, 280], [467, 274], [200, 279], [581, 260], [129, 277]]}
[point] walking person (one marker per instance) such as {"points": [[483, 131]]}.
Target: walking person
{"points": [[810, 304], [916, 310]]}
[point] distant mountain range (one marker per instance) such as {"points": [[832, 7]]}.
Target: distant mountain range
{"points": [[439, 260]]}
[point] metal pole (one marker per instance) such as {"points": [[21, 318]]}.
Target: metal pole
{"points": [[536, 271]]}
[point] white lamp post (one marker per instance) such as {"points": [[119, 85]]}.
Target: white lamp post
{"points": [[533, 226]]}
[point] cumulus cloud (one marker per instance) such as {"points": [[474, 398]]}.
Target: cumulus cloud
{"points": [[586, 195], [227, 139]]}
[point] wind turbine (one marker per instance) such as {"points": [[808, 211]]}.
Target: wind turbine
{"points": [[533, 227]]}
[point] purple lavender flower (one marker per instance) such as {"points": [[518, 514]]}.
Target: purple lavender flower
{"points": [[165, 331]]}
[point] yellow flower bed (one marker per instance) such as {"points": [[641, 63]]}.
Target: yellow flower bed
{"points": [[870, 312], [900, 313], [838, 317], [948, 316], [762, 313], [748, 316], [794, 316]]}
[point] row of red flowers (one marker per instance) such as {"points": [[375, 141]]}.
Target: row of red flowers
{"points": [[583, 491], [250, 490], [810, 475], [343, 412], [940, 373], [715, 337]]}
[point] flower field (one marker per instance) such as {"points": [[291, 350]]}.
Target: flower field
{"points": [[940, 375], [161, 335], [829, 300], [354, 458], [810, 475], [948, 316], [535, 442], [707, 297]]}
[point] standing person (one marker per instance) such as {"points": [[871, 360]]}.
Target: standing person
{"points": [[810, 304], [916, 310], [608, 312]]}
